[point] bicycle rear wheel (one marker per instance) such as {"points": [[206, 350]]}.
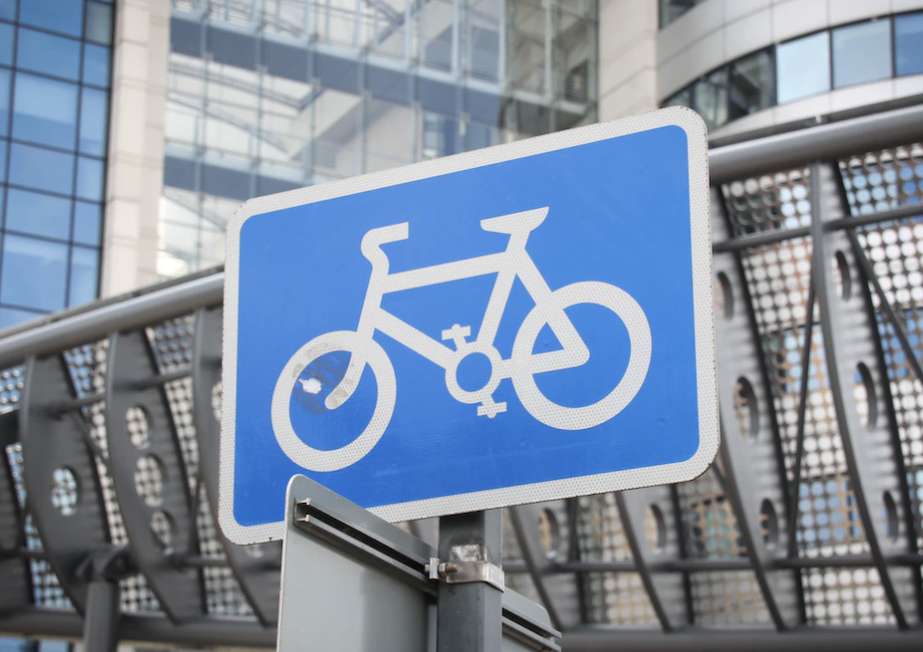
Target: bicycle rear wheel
{"points": [[589, 416], [315, 459]]}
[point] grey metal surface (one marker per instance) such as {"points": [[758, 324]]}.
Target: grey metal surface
{"points": [[351, 581], [256, 569], [60, 475], [812, 433], [338, 598], [150, 476]]}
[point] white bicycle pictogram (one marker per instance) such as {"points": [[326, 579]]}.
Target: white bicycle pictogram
{"points": [[520, 367]]}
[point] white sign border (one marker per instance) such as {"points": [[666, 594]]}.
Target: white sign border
{"points": [[703, 308]]}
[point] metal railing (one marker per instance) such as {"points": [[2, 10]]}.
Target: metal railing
{"points": [[807, 527]]}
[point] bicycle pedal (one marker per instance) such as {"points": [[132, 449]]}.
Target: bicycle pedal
{"points": [[457, 334], [490, 410]]}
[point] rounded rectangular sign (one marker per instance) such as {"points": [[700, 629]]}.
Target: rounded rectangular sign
{"points": [[522, 323]]}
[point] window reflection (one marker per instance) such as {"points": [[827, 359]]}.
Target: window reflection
{"points": [[45, 111], [861, 53], [711, 99], [803, 67], [50, 117], [5, 78], [34, 273], [670, 10], [6, 44], [42, 169], [431, 85], [38, 214], [52, 55], [63, 16], [908, 44], [87, 223], [84, 276], [95, 65], [751, 85]]}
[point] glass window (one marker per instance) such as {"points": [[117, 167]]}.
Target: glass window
{"points": [[34, 273], [95, 65], [861, 53], [683, 98], [751, 84], [30, 212], [94, 118], [45, 111], [2, 160], [64, 16], [41, 169], [908, 44], [11, 317], [99, 23], [48, 54], [87, 221], [8, 9], [803, 67], [5, 77], [711, 98], [84, 272], [670, 10], [6, 43], [90, 179]]}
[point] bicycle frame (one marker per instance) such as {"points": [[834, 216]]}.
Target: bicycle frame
{"points": [[514, 261]]}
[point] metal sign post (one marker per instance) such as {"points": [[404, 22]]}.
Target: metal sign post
{"points": [[472, 582], [523, 323]]}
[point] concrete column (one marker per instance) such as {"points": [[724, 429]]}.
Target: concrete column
{"points": [[136, 145], [627, 57]]}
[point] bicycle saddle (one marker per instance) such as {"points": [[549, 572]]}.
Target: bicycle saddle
{"points": [[515, 222]]}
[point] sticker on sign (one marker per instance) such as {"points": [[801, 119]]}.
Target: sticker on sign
{"points": [[527, 322]]}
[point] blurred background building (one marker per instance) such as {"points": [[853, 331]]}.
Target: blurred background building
{"points": [[131, 130]]}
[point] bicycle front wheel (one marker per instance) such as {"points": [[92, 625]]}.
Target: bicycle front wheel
{"points": [[589, 416], [371, 353]]}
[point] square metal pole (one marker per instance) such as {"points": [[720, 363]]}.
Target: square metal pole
{"points": [[469, 614]]}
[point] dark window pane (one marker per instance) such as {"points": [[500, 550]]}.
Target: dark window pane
{"points": [[48, 54], [803, 67], [94, 114], [84, 275], [90, 179], [5, 77], [861, 53], [29, 212], [908, 37], [6, 44], [670, 10], [710, 96], [34, 273], [11, 317], [683, 98], [87, 221], [99, 23], [95, 65], [8, 9], [751, 84], [3, 145], [41, 169], [65, 16], [45, 111]]}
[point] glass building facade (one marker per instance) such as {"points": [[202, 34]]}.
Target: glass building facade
{"points": [[54, 106], [844, 56], [269, 95]]}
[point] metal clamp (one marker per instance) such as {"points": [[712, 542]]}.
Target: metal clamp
{"points": [[464, 572]]}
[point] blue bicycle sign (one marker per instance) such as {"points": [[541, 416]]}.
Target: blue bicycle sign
{"points": [[527, 322]]}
